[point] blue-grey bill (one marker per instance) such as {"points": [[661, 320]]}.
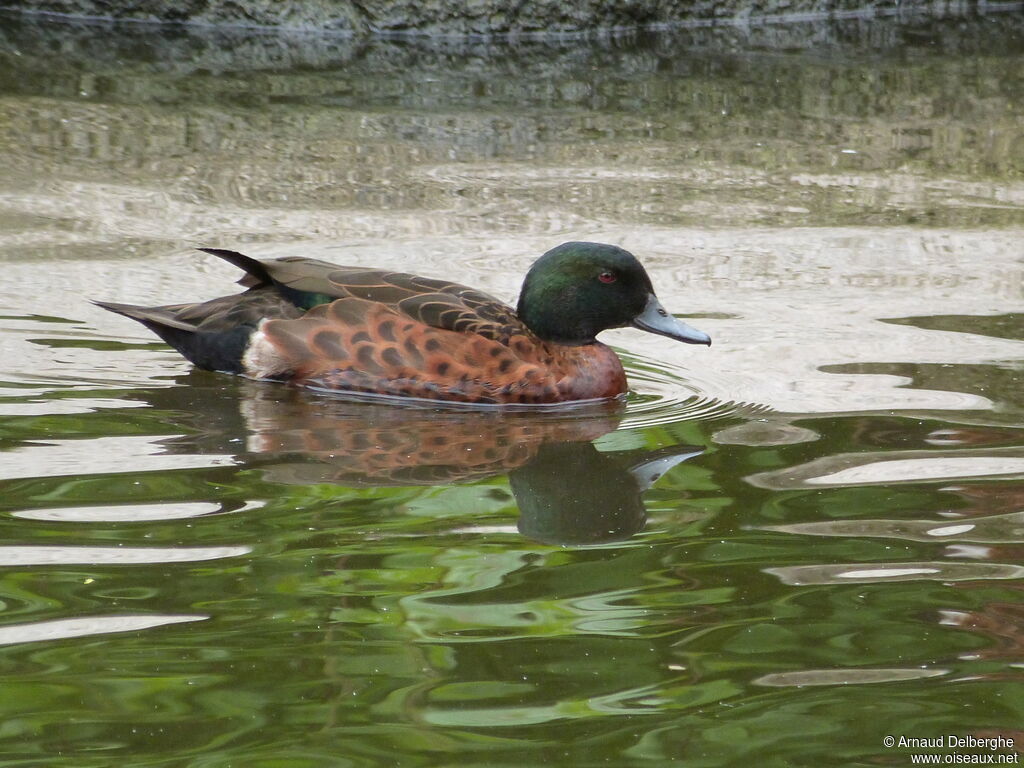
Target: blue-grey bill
{"points": [[650, 471], [656, 319]]}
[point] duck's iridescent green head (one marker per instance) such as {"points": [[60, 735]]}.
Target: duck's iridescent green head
{"points": [[575, 291]]}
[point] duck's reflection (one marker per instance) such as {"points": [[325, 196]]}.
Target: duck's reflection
{"points": [[572, 493], [568, 491]]}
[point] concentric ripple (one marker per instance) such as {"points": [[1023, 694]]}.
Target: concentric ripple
{"points": [[661, 393]]}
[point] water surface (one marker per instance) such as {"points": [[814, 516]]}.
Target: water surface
{"points": [[784, 547]]}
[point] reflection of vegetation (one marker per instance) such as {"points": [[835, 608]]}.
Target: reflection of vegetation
{"points": [[383, 622]]}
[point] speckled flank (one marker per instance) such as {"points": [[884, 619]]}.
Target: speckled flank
{"points": [[362, 346]]}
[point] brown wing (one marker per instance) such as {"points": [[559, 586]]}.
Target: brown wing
{"points": [[437, 303], [357, 345]]}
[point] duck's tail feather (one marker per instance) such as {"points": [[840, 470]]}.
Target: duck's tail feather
{"points": [[256, 273], [214, 350], [154, 318]]}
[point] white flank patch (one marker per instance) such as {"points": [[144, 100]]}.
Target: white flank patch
{"points": [[261, 359]]}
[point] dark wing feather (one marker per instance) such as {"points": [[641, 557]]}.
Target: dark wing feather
{"points": [[437, 303], [255, 272], [227, 312], [213, 334]]}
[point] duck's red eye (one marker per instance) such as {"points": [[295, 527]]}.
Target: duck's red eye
{"points": [[607, 277]]}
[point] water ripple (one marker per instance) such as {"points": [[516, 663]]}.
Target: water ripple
{"points": [[113, 555], [663, 394], [848, 676], [59, 629], [988, 529], [893, 467], [859, 573], [128, 513]]}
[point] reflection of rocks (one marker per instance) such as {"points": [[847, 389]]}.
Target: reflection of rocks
{"points": [[759, 20], [256, 121]]}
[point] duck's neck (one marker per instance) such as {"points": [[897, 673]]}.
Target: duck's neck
{"points": [[551, 313], [593, 371]]}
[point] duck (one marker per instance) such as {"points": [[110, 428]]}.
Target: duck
{"points": [[365, 331]]}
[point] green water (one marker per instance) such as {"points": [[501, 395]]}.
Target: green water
{"points": [[781, 550]]}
